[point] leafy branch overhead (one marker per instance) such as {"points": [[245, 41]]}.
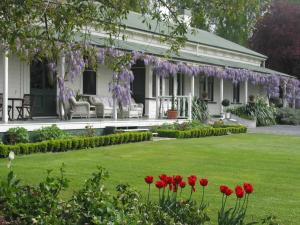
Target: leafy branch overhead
{"points": [[44, 28]]}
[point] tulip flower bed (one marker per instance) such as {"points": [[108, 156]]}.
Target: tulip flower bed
{"points": [[188, 211], [74, 143], [201, 132]]}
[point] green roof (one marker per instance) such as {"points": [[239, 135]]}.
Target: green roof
{"points": [[188, 57], [135, 21]]}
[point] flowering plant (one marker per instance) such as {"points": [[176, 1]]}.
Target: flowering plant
{"points": [[174, 204]]}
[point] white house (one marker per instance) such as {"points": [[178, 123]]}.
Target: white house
{"points": [[202, 49]]}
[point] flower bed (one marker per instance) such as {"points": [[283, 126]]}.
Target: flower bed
{"points": [[74, 143], [201, 132]]}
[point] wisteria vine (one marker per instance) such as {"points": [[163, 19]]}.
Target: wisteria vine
{"points": [[121, 62]]}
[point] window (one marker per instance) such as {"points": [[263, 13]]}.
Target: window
{"points": [[171, 85], [154, 85], [89, 82], [180, 84], [236, 93], [206, 88]]}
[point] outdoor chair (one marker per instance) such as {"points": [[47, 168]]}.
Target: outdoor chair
{"points": [[25, 107], [1, 107], [104, 106], [79, 108], [139, 107]]}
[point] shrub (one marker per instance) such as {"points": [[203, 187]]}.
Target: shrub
{"points": [[202, 132], [225, 102], [94, 204], [264, 114], [288, 116], [66, 144], [48, 133], [200, 110], [16, 135]]}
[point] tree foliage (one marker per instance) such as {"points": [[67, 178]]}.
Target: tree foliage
{"points": [[278, 36], [45, 28], [231, 19]]}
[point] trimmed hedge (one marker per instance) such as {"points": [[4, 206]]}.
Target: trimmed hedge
{"points": [[75, 143], [201, 132]]}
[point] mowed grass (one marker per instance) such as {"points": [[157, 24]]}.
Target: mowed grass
{"points": [[270, 162]]}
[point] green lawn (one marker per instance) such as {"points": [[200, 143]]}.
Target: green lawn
{"points": [[271, 163]]}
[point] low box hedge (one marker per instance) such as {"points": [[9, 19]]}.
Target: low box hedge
{"points": [[201, 132], [74, 143]]}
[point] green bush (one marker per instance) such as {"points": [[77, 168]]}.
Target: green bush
{"points": [[67, 144], [200, 110], [48, 133], [288, 116], [260, 110], [16, 135], [202, 132]]}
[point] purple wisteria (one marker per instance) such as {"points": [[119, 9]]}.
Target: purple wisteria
{"points": [[123, 76]]}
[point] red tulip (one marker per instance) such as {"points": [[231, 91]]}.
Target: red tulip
{"points": [[160, 184], [182, 184], [169, 180], [163, 177], [149, 179], [203, 182], [192, 180], [239, 191], [248, 188], [223, 189], [177, 179], [228, 192]]}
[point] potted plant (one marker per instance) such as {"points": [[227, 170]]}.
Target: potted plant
{"points": [[225, 103], [172, 113]]}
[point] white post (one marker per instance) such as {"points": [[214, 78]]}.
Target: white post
{"points": [[60, 101], [148, 89], [284, 94], [5, 88], [190, 107], [163, 86], [221, 95], [115, 113], [175, 85], [192, 86], [157, 91], [246, 91], [294, 97]]}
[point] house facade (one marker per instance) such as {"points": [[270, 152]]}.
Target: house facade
{"points": [[202, 49]]}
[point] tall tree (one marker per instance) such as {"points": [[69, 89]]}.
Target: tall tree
{"points": [[230, 19], [277, 35]]}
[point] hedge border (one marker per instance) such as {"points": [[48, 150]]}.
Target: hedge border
{"points": [[62, 145], [201, 132]]}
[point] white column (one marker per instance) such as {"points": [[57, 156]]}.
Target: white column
{"points": [[163, 86], [192, 86], [148, 89], [175, 85], [157, 91], [5, 88], [115, 112], [284, 94], [190, 107], [62, 74], [221, 94], [246, 91], [294, 97]]}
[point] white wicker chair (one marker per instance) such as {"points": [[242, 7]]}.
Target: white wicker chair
{"points": [[79, 109], [104, 106]]}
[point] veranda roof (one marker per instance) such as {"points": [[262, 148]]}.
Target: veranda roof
{"points": [[134, 21], [183, 56]]}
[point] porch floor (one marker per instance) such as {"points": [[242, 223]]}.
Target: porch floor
{"points": [[80, 123]]}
